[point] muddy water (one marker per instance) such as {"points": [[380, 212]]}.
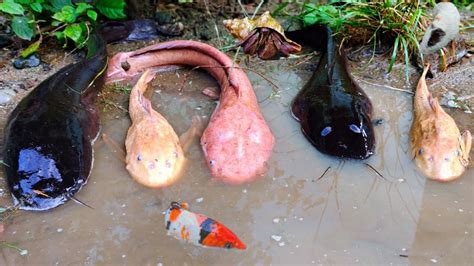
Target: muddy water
{"points": [[290, 216]]}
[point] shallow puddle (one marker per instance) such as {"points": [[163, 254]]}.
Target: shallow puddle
{"points": [[290, 216]]}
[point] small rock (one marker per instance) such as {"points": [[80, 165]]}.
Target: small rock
{"points": [[31, 61], [6, 96], [276, 237], [5, 40], [175, 29], [164, 17]]}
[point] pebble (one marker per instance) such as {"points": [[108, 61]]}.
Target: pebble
{"points": [[5, 40], [434, 260], [24, 252], [281, 244], [59, 230], [276, 237], [276, 220], [199, 199], [31, 61], [6, 96]]}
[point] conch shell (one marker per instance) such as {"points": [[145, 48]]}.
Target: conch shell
{"points": [[262, 36]]}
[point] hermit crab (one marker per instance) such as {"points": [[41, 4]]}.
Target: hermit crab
{"points": [[262, 36]]}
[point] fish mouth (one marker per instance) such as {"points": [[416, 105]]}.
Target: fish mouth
{"points": [[343, 143], [444, 179]]}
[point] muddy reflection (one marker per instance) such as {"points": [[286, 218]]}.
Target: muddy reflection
{"points": [[350, 215]]}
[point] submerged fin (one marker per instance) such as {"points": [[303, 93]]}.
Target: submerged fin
{"points": [[466, 143], [194, 130]]}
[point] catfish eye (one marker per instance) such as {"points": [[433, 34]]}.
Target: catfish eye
{"points": [[420, 151], [354, 128], [326, 131], [447, 159], [458, 153]]}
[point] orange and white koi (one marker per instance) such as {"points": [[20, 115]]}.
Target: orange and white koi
{"points": [[199, 229]]}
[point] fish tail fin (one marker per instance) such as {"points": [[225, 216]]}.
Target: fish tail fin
{"points": [[81, 203], [138, 101], [423, 98], [466, 143], [434, 104], [425, 70]]}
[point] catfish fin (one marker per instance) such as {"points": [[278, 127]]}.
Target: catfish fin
{"points": [[194, 130], [434, 104], [466, 143]]}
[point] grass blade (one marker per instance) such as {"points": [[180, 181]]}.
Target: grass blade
{"points": [[405, 52], [394, 54]]}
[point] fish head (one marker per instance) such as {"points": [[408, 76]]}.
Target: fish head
{"points": [[442, 162], [349, 137], [153, 169], [173, 212]]}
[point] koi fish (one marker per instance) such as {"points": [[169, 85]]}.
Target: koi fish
{"points": [[440, 151], [237, 142], [199, 229]]}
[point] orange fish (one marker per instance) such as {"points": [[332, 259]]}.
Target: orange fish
{"points": [[199, 229], [155, 156], [440, 151]]}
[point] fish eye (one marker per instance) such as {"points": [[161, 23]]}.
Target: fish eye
{"points": [[354, 128], [326, 131], [458, 153], [447, 159], [420, 151]]}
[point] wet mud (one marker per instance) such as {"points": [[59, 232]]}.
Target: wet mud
{"points": [[291, 215]]}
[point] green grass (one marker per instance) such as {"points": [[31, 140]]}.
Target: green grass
{"points": [[367, 22]]}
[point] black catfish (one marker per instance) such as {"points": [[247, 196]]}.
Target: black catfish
{"points": [[48, 137], [334, 112]]}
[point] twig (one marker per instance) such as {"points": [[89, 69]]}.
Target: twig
{"points": [[213, 21], [385, 86]]}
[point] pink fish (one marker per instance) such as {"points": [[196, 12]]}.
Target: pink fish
{"points": [[237, 143]]}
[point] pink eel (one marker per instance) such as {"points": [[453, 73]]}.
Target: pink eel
{"points": [[237, 142]]}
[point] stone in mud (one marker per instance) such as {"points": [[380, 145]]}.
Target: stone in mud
{"points": [[5, 40], [174, 29], [31, 61], [6, 96], [164, 17]]}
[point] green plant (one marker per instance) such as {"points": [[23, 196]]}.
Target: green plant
{"points": [[62, 19], [376, 20]]}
